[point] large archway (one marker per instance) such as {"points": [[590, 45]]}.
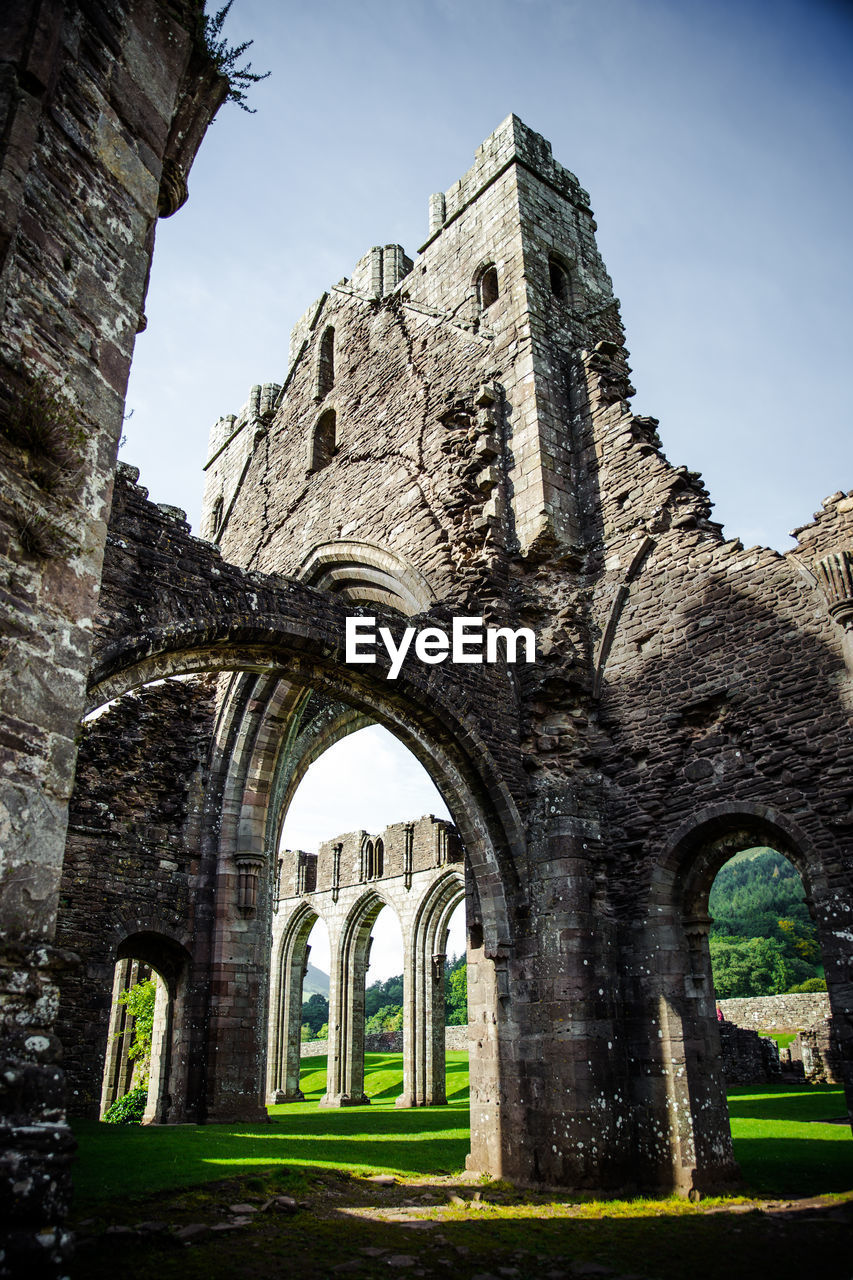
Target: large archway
{"points": [[681, 1075], [284, 698]]}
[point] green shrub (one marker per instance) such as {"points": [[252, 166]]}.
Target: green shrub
{"points": [[130, 1109], [810, 984], [139, 1001]]}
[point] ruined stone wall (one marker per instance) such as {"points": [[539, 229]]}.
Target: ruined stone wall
{"points": [[790, 1012], [409, 847], [133, 885], [746, 1057], [102, 108]]}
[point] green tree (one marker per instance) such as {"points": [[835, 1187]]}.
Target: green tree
{"points": [[389, 1018], [456, 993], [758, 895], [139, 1001], [748, 966], [381, 995], [315, 1012]]}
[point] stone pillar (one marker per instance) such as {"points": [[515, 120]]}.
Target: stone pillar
{"points": [[158, 1106], [488, 1139], [287, 1024], [678, 1086], [833, 914], [411, 983], [434, 1073], [337, 1001], [350, 959], [84, 149], [548, 1095]]}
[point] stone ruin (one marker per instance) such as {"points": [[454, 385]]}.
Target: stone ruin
{"points": [[453, 436], [417, 869]]}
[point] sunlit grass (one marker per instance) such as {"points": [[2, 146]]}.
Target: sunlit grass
{"points": [[133, 1160], [782, 1141], [782, 1038]]}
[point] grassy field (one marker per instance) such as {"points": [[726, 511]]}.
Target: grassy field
{"points": [[783, 1141], [138, 1189]]}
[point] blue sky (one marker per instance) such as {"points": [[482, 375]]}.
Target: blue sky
{"points": [[714, 139]]}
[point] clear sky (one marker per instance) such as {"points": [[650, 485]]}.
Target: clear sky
{"points": [[715, 141]]}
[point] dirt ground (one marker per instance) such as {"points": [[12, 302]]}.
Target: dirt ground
{"points": [[325, 1224]]}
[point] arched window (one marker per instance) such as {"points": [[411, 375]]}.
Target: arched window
{"points": [[367, 860], [216, 515], [488, 286], [561, 281], [326, 363], [379, 859], [323, 439]]}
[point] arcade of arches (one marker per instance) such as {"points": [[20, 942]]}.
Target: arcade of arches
{"points": [[690, 699]]}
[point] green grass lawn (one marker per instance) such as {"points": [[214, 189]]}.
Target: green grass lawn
{"points": [[782, 1142], [782, 1038], [131, 1160]]}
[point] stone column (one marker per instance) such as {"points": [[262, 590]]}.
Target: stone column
{"points": [[350, 958], [833, 914], [284, 1079], [410, 1021], [435, 1093], [337, 1002], [682, 1136], [157, 1107]]}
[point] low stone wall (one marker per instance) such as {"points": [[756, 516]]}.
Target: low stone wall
{"points": [[455, 1041], [747, 1057], [792, 1012]]}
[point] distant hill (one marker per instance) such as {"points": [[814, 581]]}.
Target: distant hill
{"points": [[316, 982], [763, 939]]}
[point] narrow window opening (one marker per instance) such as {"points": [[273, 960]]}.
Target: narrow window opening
{"points": [[379, 859], [488, 287], [326, 363], [217, 514], [323, 441], [561, 285]]}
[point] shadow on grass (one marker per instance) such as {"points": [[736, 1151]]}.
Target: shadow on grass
{"points": [[670, 1240], [131, 1160], [795, 1166], [784, 1103]]}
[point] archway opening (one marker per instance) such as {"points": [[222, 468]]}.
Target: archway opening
{"points": [[132, 1077], [768, 974], [694, 1059], [138, 1079], [358, 849], [456, 1003], [384, 1004]]}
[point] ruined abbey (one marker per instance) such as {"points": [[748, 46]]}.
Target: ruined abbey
{"points": [[452, 437]]}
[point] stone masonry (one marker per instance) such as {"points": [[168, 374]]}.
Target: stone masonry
{"points": [[453, 436], [794, 1011], [416, 870], [103, 104]]}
